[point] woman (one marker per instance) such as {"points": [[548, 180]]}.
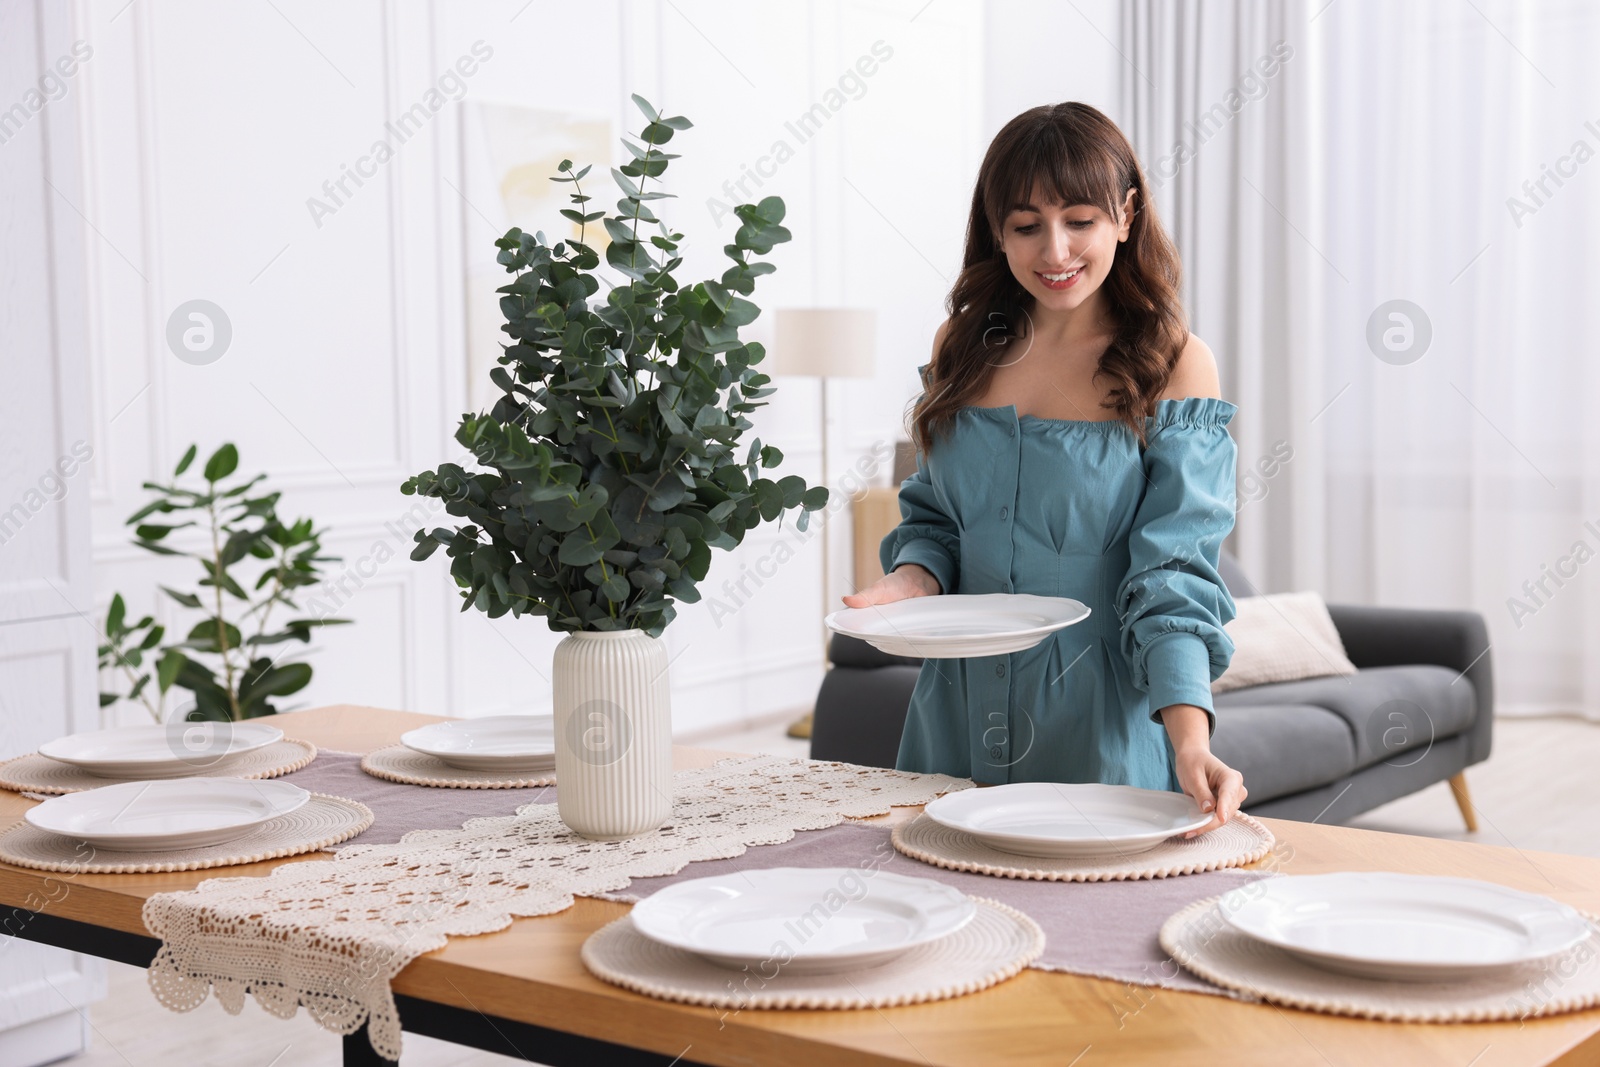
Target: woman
{"points": [[1071, 442]]}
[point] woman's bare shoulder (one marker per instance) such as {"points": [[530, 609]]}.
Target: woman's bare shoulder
{"points": [[1195, 374]]}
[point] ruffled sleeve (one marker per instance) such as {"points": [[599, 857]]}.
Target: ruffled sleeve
{"points": [[1173, 603], [927, 535]]}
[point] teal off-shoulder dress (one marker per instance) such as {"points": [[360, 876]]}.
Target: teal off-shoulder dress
{"points": [[1008, 503]]}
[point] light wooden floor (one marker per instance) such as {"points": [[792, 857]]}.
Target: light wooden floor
{"points": [[1540, 790]]}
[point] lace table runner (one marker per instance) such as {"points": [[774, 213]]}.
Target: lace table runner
{"points": [[331, 935]]}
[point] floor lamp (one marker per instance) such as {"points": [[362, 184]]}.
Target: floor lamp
{"points": [[824, 343]]}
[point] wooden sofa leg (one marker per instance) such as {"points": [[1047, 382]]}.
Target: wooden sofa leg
{"points": [[1458, 789]]}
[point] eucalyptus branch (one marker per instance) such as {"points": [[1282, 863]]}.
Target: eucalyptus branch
{"points": [[603, 521]]}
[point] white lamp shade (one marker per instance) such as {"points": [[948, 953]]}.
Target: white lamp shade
{"points": [[825, 342]]}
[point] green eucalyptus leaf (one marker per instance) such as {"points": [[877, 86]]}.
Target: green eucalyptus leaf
{"points": [[793, 488], [581, 547], [644, 105]]}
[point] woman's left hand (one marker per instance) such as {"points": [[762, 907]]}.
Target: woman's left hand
{"points": [[1214, 785]]}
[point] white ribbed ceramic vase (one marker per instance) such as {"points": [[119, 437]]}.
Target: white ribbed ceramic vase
{"points": [[613, 727]]}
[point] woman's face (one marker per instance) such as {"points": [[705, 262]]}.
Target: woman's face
{"points": [[1062, 254]]}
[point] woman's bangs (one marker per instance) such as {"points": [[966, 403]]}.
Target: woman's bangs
{"points": [[1044, 166]]}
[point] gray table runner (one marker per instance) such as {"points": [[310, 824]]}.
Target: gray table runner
{"points": [[397, 807]]}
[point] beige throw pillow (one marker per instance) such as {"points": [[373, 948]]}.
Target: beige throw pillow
{"points": [[1282, 637]]}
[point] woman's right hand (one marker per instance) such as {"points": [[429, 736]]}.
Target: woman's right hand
{"points": [[902, 583]]}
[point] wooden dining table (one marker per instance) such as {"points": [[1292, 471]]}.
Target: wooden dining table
{"points": [[523, 991]]}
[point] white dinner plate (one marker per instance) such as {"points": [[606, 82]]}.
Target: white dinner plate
{"points": [[492, 743], [168, 814], [1058, 820], [959, 625], [805, 920], [160, 750], [1403, 926]]}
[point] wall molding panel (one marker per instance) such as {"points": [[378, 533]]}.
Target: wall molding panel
{"points": [[348, 368]]}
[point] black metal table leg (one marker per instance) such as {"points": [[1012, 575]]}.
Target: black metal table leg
{"points": [[358, 1051]]}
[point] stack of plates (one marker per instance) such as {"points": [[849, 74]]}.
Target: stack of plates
{"points": [[511, 743], [164, 815], [959, 625], [169, 750], [1404, 927], [808, 920], [1067, 821]]}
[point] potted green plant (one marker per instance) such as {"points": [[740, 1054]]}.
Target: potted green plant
{"points": [[610, 467], [226, 662]]}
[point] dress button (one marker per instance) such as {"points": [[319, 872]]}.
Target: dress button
{"points": [[1011, 432], [999, 670], [1004, 512]]}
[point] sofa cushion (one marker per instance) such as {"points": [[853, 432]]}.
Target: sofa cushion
{"points": [[1282, 637], [861, 713], [847, 651], [1234, 577], [1282, 748], [1393, 713]]}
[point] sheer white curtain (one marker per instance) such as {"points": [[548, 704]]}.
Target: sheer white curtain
{"points": [[1390, 242]]}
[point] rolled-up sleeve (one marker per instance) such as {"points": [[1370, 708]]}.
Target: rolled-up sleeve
{"points": [[1172, 603], [927, 535]]}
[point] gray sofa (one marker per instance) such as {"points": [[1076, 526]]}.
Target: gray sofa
{"points": [[1419, 711]]}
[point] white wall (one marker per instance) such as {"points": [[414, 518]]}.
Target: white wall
{"points": [[208, 127], [1045, 52], [47, 645]]}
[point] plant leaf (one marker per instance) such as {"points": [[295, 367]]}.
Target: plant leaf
{"points": [[644, 105], [172, 661], [223, 462]]}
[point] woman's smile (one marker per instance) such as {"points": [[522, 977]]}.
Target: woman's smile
{"points": [[1059, 280]]}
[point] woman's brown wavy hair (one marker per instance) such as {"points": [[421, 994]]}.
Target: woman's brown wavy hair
{"points": [[1079, 156]]}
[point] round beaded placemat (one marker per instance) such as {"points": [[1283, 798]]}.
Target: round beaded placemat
{"points": [[322, 821], [994, 946], [1202, 941], [397, 763], [34, 773], [1238, 841]]}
